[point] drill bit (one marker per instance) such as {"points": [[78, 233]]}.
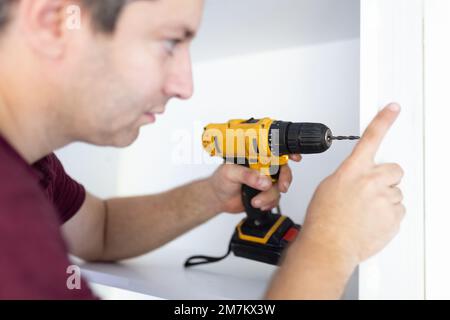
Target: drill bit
{"points": [[345, 138]]}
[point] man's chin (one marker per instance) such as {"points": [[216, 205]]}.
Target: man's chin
{"points": [[115, 141], [127, 141]]}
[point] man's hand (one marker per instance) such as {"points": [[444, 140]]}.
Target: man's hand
{"points": [[353, 215], [358, 210], [226, 183]]}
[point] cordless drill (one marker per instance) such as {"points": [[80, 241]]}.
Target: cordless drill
{"points": [[264, 145]]}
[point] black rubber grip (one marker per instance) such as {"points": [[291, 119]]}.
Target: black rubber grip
{"points": [[254, 214]]}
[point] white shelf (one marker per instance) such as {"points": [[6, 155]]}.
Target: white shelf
{"points": [[161, 274]]}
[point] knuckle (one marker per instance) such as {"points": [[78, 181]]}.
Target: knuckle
{"points": [[374, 179], [286, 175], [263, 196], [384, 169], [400, 171], [347, 166], [251, 176], [400, 213], [378, 177], [396, 171], [286, 168], [289, 176], [371, 133], [372, 189], [227, 171], [397, 167], [275, 195]]}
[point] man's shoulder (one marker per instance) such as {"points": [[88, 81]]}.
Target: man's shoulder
{"points": [[16, 175], [21, 198]]}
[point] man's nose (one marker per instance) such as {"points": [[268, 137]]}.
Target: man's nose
{"points": [[179, 83]]}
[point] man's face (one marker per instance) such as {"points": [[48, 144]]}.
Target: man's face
{"points": [[120, 81]]}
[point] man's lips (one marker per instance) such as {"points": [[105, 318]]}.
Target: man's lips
{"points": [[151, 117], [151, 114]]}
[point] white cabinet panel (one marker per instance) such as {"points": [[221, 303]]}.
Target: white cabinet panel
{"points": [[392, 70], [437, 155]]}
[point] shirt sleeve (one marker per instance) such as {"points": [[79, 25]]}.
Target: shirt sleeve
{"points": [[66, 194]]}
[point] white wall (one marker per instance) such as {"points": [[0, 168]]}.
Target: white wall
{"points": [[94, 167], [239, 27]]}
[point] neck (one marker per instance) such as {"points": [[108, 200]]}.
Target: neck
{"points": [[31, 131], [29, 119]]}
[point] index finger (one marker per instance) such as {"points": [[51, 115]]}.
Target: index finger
{"points": [[376, 131]]}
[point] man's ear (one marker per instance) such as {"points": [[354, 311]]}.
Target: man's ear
{"points": [[42, 23]]}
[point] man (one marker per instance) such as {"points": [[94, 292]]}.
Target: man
{"points": [[100, 84]]}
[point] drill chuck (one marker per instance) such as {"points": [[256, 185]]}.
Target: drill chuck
{"points": [[299, 138]]}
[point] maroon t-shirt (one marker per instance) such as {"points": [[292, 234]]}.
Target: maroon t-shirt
{"points": [[34, 202]]}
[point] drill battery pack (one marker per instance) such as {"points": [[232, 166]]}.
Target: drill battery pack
{"points": [[264, 242], [260, 240]]}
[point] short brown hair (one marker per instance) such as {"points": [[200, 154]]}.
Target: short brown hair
{"points": [[104, 12]]}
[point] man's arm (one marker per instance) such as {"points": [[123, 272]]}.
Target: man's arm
{"points": [[123, 228], [312, 271], [127, 227]]}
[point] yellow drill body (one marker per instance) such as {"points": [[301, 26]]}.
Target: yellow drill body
{"points": [[246, 142]]}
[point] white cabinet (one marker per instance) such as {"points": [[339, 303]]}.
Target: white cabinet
{"points": [[330, 61], [437, 155], [392, 69], [405, 49]]}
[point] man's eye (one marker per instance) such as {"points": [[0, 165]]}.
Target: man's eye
{"points": [[171, 44]]}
